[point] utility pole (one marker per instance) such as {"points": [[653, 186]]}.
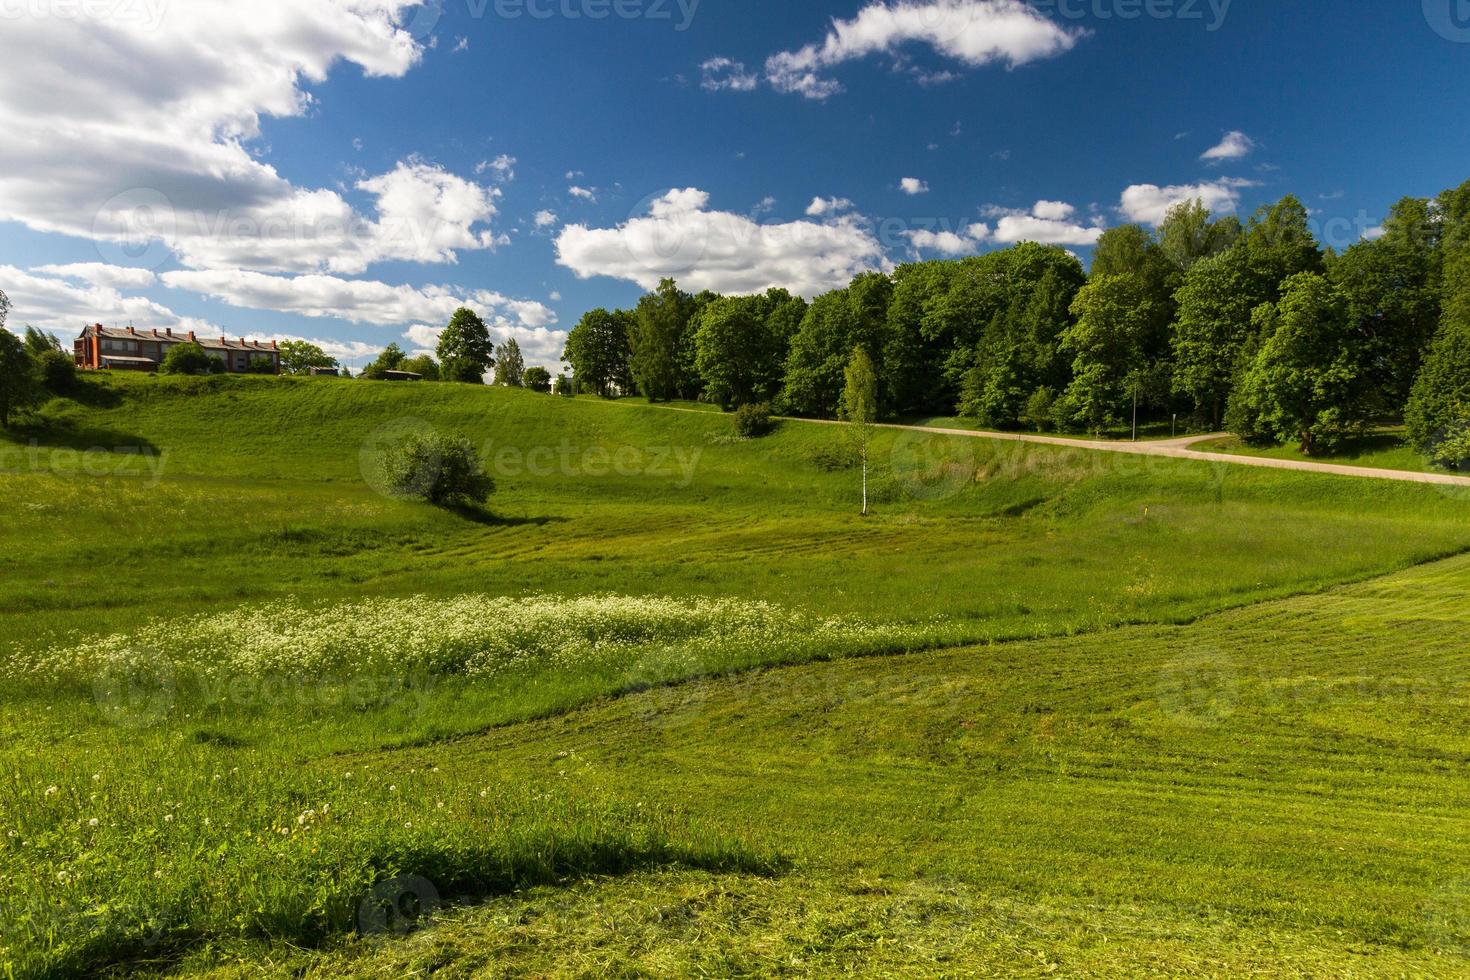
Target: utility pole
{"points": [[1135, 411]]}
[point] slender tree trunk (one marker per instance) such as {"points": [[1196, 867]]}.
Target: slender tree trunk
{"points": [[865, 480]]}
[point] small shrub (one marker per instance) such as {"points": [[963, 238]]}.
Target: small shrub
{"points": [[436, 469], [538, 379], [1452, 450], [753, 421], [1038, 411], [190, 359], [564, 387]]}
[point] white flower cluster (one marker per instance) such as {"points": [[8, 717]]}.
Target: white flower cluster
{"points": [[472, 635]]}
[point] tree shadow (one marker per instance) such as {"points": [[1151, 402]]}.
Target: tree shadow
{"points": [[67, 434], [475, 514]]}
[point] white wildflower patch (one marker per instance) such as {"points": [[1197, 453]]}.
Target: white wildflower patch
{"points": [[473, 635]]}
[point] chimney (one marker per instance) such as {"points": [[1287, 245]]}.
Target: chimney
{"points": [[169, 331], [191, 337], [275, 346], [132, 331]]}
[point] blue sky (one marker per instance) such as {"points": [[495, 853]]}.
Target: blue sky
{"points": [[357, 169]]}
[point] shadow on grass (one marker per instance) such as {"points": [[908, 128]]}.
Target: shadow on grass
{"points": [[475, 514], [65, 433], [386, 892]]}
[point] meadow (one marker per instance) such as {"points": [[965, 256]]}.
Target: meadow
{"points": [[669, 703]]}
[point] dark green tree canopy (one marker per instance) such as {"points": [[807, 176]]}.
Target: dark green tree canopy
{"points": [[465, 350]]}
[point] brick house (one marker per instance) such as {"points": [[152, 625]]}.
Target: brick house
{"points": [[125, 349]]}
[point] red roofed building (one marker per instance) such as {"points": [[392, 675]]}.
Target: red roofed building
{"points": [[102, 348]]}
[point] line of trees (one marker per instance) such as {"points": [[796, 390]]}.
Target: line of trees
{"points": [[1247, 325], [33, 369]]}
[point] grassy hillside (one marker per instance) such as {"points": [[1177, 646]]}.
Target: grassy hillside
{"points": [[244, 689]]}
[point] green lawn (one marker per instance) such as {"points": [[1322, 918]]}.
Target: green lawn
{"points": [[1126, 743], [1384, 449]]}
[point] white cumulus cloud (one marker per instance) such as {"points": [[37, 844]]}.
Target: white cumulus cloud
{"points": [[726, 74], [913, 185], [827, 205], [63, 307], [973, 32], [101, 274], [1150, 203], [1234, 146], [130, 130], [729, 253]]}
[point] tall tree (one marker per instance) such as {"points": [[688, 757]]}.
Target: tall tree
{"points": [[1306, 380], [1439, 409], [661, 339], [510, 366], [20, 385], [39, 343], [736, 355], [599, 350], [860, 407], [1213, 323], [300, 356], [424, 366], [1392, 286], [1279, 238], [834, 324], [465, 350], [391, 359], [1188, 235], [1116, 315]]}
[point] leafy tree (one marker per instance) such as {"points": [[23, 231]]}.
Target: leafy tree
{"points": [[1038, 413], [1027, 291], [1213, 322], [741, 345], [39, 343], [1109, 343], [662, 355], [599, 349], [860, 407], [510, 366], [913, 354], [300, 356], [57, 371], [1439, 408], [1392, 286], [1188, 235], [465, 351], [822, 349], [1279, 238], [538, 379], [423, 365], [391, 359], [20, 386], [564, 387], [1305, 382], [261, 365], [439, 470], [190, 358]]}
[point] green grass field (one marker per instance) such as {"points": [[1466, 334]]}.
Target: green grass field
{"points": [[1383, 449], [669, 705]]}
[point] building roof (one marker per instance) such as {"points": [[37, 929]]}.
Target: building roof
{"points": [[208, 343]]}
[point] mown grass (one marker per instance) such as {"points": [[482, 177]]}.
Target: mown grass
{"points": [[1035, 772], [1383, 449], [1278, 791]]}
